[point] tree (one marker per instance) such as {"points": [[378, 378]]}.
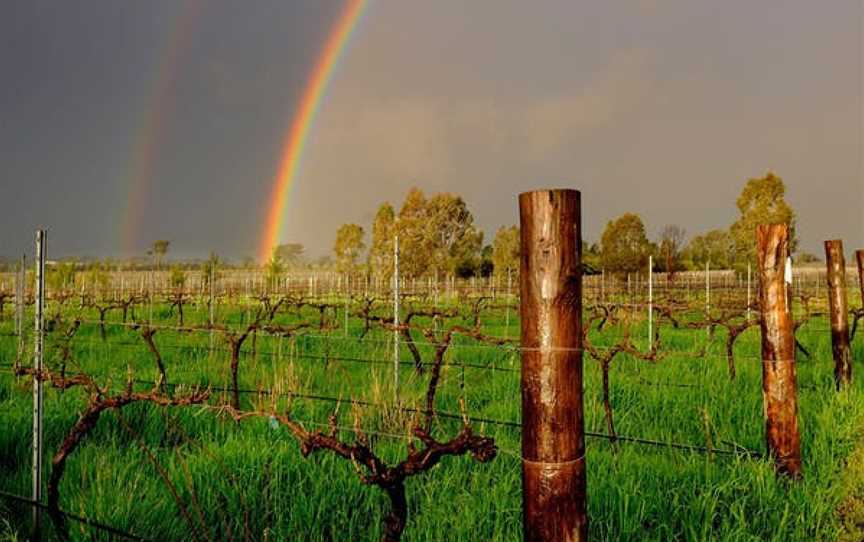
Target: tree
{"points": [[289, 254], [414, 246], [348, 247], [715, 247], [624, 247], [591, 262], [381, 251], [505, 250], [452, 240], [177, 277], [62, 275], [274, 268], [761, 202], [671, 243], [160, 248]]}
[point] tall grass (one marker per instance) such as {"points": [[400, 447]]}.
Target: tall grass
{"points": [[249, 479]]}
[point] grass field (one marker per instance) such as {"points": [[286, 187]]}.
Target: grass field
{"points": [[235, 481]]}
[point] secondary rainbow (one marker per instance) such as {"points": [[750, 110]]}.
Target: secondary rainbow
{"points": [[307, 110]]}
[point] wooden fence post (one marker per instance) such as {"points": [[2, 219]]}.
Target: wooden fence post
{"points": [[778, 351], [835, 264], [859, 255], [553, 426]]}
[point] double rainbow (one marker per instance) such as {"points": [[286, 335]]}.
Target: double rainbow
{"points": [[307, 110]]}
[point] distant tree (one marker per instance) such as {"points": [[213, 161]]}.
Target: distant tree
{"points": [[62, 275], [624, 246], [323, 262], [486, 267], [452, 239], [761, 202], [348, 247], [808, 257], [411, 226], [505, 251], [159, 250], [274, 268], [669, 248], [177, 277], [715, 247], [289, 254], [591, 263], [381, 251]]}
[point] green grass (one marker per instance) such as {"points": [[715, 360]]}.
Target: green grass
{"points": [[249, 478]]}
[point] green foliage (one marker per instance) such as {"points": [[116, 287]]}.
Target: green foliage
{"points": [[159, 250], [274, 268], [436, 236], [381, 251], [289, 254], [624, 247], [807, 257], [715, 247], [98, 274], [210, 266], [761, 202], [177, 277], [505, 250], [591, 263], [348, 247], [62, 275]]}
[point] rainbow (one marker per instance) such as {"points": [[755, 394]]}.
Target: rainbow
{"points": [[307, 110], [152, 121]]}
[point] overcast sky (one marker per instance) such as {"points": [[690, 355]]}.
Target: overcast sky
{"points": [[660, 107]]}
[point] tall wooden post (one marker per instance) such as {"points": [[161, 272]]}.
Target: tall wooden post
{"points": [[553, 426], [835, 264], [859, 256], [778, 351]]}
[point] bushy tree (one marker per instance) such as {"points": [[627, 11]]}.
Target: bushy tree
{"points": [[381, 251], [289, 254], [505, 251], [451, 237], [348, 247], [715, 247], [177, 277], [591, 262], [669, 249], [62, 275], [159, 250], [624, 247], [761, 202]]}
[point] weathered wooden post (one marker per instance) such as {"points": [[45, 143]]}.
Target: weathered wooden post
{"points": [[553, 426], [836, 275], [859, 255], [778, 351]]}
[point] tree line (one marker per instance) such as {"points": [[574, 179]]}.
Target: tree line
{"points": [[437, 237]]}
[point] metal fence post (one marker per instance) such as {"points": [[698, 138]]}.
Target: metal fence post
{"points": [[650, 301], [37, 379], [553, 425], [396, 318], [778, 351]]}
